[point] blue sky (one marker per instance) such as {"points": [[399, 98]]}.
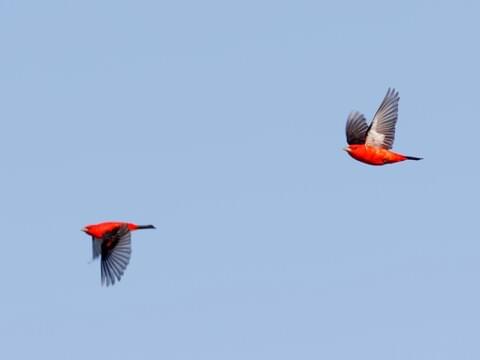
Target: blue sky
{"points": [[222, 123]]}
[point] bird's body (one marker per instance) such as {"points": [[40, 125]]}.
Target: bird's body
{"points": [[376, 155], [99, 230], [371, 144], [112, 240]]}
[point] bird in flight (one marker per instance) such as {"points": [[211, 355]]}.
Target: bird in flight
{"points": [[372, 144], [111, 241]]}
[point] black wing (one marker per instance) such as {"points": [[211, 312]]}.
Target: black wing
{"points": [[116, 251], [356, 128], [381, 132]]}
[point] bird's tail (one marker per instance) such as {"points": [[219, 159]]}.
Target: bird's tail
{"points": [[139, 227], [413, 158]]}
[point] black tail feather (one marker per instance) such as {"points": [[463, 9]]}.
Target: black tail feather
{"points": [[146, 227], [413, 158]]}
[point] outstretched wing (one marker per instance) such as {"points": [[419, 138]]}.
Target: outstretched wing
{"points": [[356, 129], [381, 132], [116, 251]]}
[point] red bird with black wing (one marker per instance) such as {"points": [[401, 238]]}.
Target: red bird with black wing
{"points": [[112, 242]]}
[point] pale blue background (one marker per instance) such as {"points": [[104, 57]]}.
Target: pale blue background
{"points": [[222, 123]]}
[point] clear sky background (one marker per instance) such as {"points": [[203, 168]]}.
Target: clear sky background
{"points": [[222, 123]]}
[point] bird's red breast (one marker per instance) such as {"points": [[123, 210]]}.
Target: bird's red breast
{"points": [[99, 230], [374, 155]]}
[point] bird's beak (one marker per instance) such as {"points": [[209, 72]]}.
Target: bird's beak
{"points": [[83, 229], [346, 149]]}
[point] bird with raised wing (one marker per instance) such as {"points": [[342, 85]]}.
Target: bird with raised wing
{"points": [[371, 144], [111, 240]]}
